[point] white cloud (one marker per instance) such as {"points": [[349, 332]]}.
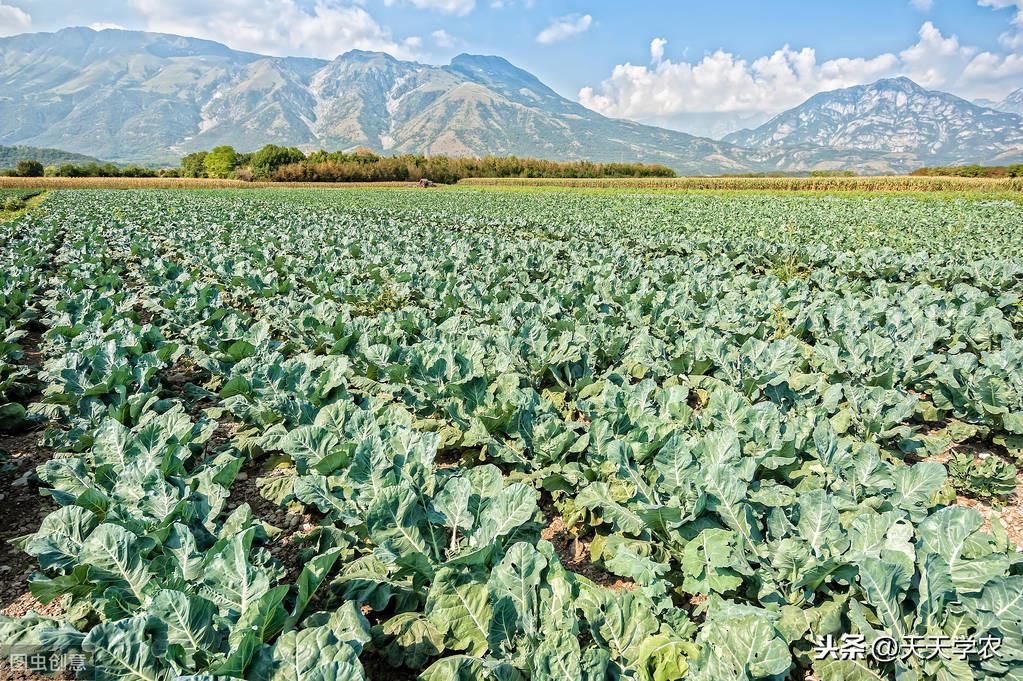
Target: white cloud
{"points": [[458, 7], [443, 39], [989, 66], [657, 50], [278, 27], [935, 61], [501, 4], [565, 28], [721, 82], [13, 20], [922, 5], [1013, 39]]}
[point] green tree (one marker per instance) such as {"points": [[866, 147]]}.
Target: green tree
{"points": [[271, 157], [220, 162], [29, 168], [193, 165]]}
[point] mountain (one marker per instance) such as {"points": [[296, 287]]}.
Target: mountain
{"points": [[137, 97], [894, 115], [9, 156], [1012, 104], [145, 97]]}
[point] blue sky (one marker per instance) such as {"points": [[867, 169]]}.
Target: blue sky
{"points": [[668, 62]]}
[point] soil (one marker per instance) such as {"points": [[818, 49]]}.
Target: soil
{"points": [[574, 554], [378, 669], [286, 546], [31, 352], [178, 380], [24, 509]]}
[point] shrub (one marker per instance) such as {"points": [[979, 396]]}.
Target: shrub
{"points": [[14, 203], [243, 174], [29, 168], [271, 157]]}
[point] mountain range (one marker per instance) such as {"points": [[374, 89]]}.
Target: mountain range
{"points": [[894, 115], [133, 96]]}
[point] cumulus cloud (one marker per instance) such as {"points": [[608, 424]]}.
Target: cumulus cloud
{"points": [[326, 29], [457, 7], [935, 60], [989, 66], [721, 82], [1011, 39], [922, 5], [443, 39], [13, 20], [657, 50], [565, 28]]}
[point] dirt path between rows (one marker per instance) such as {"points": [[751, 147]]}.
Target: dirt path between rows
{"points": [[23, 510]]}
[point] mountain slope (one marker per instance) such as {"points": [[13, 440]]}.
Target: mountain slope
{"points": [[893, 115], [1011, 104], [9, 156], [135, 96]]}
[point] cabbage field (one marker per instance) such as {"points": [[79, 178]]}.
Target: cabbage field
{"points": [[386, 434]]}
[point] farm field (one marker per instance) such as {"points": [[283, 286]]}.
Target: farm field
{"points": [[377, 434], [1002, 187], [900, 183]]}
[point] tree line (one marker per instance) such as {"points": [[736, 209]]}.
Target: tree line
{"points": [[972, 171], [274, 163], [34, 168], [287, 164]]}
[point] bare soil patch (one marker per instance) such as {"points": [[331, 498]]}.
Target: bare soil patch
{"points": [[23, 511], [574, 553]]}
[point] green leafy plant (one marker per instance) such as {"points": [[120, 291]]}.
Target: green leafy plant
{"points": [[422, 382], [984, 478]]}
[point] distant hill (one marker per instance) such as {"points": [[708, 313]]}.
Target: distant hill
{"points": [[9, 156], [894, 115]]}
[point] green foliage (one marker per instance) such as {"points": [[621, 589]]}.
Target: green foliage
{"points": [[726, 396], [13, 203], [99, 170], [11, 156], [267, 160], [983, 478], [361, 165], [1015, 170], [220, 162], [194, 165], [832, 173], [29, 168]]}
